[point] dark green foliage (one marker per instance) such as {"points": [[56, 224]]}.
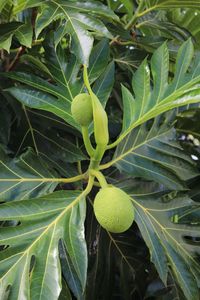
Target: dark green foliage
{"points": [[144, 66]]}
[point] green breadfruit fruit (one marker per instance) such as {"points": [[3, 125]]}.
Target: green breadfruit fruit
{"points": [[81, 109], [113, 209]]}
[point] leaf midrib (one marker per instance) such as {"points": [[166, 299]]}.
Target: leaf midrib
{"points": [[54, 223]]}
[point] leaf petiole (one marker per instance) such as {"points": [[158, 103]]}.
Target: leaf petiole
{"points": [[100, 177], [42, 179]]}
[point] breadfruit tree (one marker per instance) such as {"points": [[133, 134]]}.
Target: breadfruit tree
{"points": [[99, 149]]}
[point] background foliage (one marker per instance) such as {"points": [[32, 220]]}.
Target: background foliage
{"points": [[143, 64]]}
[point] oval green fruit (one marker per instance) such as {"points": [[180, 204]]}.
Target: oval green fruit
{"points": [[113, 209], [81, 109]]}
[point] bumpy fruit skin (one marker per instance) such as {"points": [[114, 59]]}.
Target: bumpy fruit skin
{"points": [[113, 209], [81, 109]]}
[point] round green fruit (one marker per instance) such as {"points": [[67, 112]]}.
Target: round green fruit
{"points": [[81, 109], [113, 209]]}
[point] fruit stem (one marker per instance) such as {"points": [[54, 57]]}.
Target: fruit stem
{"points": [[100, 177], [86, 80], [98, 154], [90, 150], [89, 185]]}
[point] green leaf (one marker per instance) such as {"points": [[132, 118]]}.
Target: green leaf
{"points": [[25, 177], [150, 5], [6, 34], [35, 62], [95, 7], [24, 4], [152, 27], [167, 240], [6, 10], [79, 20], [128, 108], [2, 4], [151, 151], [163, 96], [103, 86], [128, 5], [23, 33], [44, 222], [141, 86], [56, 97], [188, 20], [40, 100], [59, 148], [98, 60]]}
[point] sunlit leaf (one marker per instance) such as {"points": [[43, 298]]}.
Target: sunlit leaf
{"points": [[25, 177], [168, 240], [44, 222], [151, 151], [163, 96]]}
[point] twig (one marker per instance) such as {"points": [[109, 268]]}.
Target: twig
{"points": [[13, 63]]}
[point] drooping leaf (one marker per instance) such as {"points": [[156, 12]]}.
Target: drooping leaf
{"points": [[30, 264]]}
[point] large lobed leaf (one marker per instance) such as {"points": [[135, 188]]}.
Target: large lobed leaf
{"points": [[150, 101], [151, 151], [24, 177], [77, 19], [168, 225], [30, 266], [168, 241], [56, 97]]}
